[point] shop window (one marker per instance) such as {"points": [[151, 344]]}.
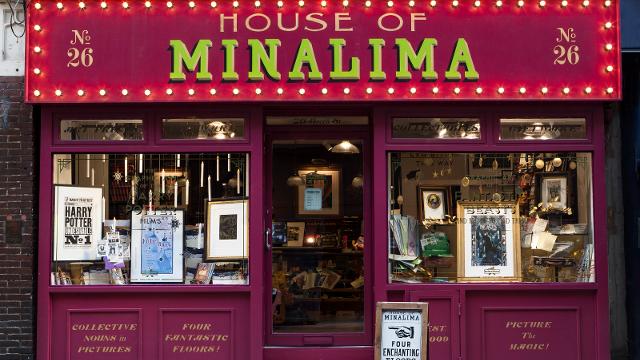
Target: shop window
{"points": [[318, 240], [203, 129], [436, 128], [150, 218], [101, 130], [543, 129], [456, 217]]}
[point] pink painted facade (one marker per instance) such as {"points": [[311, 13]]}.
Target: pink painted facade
{"points": [[480, 321]]}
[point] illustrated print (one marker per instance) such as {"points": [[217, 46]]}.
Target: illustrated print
{"points": [[555, 189], [488, 240], [434, 201], [403, 331], [228, 227]]}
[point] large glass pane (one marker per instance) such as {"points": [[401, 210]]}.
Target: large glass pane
{"points": [[543, 129], [150, 218], [101, 130], [490, 217], [318, 243], [436, 128], [203, 129]]}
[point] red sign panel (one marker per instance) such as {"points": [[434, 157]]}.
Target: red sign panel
{"points": [[159, 51]]}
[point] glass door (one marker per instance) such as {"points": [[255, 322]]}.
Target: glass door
{"points": [[318, 225]]}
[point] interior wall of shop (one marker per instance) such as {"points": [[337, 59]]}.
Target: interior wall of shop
{"points": [[17, 221]]}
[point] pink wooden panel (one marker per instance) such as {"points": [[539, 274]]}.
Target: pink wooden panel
{"points": [[196, 334], [102, 334], [530, 325], [156, 315], [318, 353], [444, 338]]}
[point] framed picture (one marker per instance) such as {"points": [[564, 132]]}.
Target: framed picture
{"points": [[556, 191], [157, 241], [488, 241], [295, 233], [166, 198], [77, 222], [434, 202], [320, 194], [402, 330], [227, 230]]}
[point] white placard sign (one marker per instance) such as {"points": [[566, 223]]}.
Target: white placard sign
{"points": [[402, 331], [77, 222]]}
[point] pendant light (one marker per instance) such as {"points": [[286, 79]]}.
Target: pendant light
{"points": [[345, 147], [295, 180]]}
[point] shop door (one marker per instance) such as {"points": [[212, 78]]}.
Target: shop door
{"points": [[318, 277]]}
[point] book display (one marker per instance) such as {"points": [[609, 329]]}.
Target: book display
{"points": [[150, 218], [523, 217]]}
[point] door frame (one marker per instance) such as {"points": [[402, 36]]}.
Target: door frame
{"points": [[302, 132]]}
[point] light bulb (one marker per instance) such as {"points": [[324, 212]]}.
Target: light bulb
{"points": [[280, 3], [82, 5], [36, 71], [367, 3], [564, 3], [435, 90], [258, 91], [236, 91], [257, 3], [476, 3], [412, 3], [609, 68], [37, 49], [456, 90], [324, 91], [103, 4], [607, 3], [609, 47], [214, 4], [566, 90], [455, 3], [499, 3], [147, 4], [413, 90], [608, 25], [544, 90], [609, 90], [38, 6], [390, 3], [37, 27], [369, 90], [301, 91], [585, 3], [587, 90], [280, 91], [58, 92], [433, 3], [520, 3], [59, 6], [542, 3], [36, 92], [212, 91], [125, 5], [102, 92], [192, 4], [523, 90], [125, 92], [500, 90], [479, 91], [301, 3], [169, 4], [390, 90], [345, 3], [191, 92], [346, 91], [169, 91], [236, 4], [80, 92]]}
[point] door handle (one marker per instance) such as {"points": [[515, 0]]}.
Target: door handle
{"points": [[267, 239]]}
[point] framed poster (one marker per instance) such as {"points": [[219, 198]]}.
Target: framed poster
{"points": [[557, 193], [157, 241], [77, 222], [227, 230], [434, 202], [295, 233], [320, 194], [402, 330], [488, 241]]}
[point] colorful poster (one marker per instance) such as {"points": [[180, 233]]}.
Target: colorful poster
{"points": [[77, 223], [156, 247]]}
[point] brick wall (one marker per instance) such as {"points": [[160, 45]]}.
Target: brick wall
{"points": [[17, 222]]}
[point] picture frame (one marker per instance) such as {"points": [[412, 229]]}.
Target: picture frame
{"points": [[434, 202], [227, 229], [157, 244], [556, 189], [77, 222], [295, 234], [166, 199], [402, 326], [488, 243], [320, 195]]}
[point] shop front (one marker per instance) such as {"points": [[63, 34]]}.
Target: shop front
{"points": [[248, 180]]}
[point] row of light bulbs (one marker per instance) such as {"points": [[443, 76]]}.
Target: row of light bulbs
{"points": [[323, 3], [302, 91]]}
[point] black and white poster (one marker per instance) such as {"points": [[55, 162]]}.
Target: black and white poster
{"points": [[401, 331], [77, 223]]}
